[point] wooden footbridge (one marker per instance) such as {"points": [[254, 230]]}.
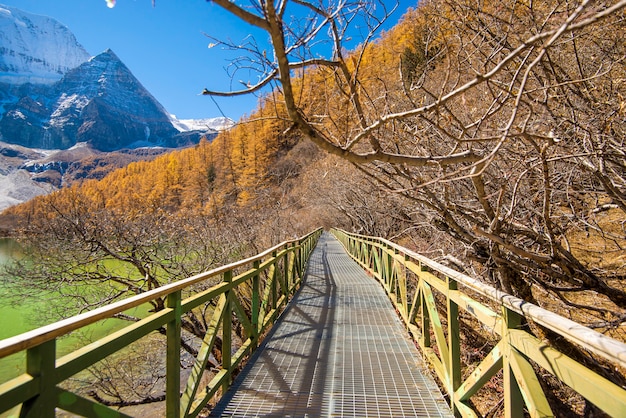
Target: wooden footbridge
{"points": [[339, 350], [366, 326]]}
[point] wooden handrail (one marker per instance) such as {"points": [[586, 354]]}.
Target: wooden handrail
{"points": [[606, 347], [411, 280], [37, 390], [40, 335]]}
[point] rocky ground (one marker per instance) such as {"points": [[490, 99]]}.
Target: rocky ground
{"points": [[26, 173]]}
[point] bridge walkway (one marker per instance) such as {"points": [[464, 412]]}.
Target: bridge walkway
{"points": [[339, 350]]}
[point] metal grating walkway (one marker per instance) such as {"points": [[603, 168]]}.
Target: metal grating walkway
{"points": [[339, 350]]}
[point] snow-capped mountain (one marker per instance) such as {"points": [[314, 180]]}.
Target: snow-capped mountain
{"points": [[207, 125], [36, 49], [99, 102], [53, 96], [71, 98]]}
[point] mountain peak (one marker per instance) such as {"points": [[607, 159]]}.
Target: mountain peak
{"points": [[35, 49], [107, 54]]}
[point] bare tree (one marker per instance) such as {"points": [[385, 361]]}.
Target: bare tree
{"points": [[502, 124], [79, 255]]}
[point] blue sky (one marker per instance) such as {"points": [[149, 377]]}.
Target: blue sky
{"points": [[164, 46]]}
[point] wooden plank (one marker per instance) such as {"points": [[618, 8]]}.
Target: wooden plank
{"points": [[601, 392], [487, 368], [267, 293], [241, 353], [203, 297], [76, 404], [207, 393], [440, 338], [18, 390], [490, 319], [415, 304], [243, 318], [436, 363], [464, 410], [529, 385], [193, 382]]}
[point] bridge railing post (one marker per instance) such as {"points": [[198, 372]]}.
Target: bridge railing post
{"points": [[384, 261], [290, 262], [454, 343], [423, 310], [256, 302], [388, 269], [299, 255], [173, 333], [513, 400], [404, 289], [377, 268], [227, 337], [393, 273], [294, 266], [274, 279], [40, 364]]}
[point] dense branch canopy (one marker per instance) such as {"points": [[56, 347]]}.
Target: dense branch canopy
{"points": [[503, 122]]}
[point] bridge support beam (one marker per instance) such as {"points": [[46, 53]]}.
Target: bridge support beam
{"points": [[173, 331], [40, 364], [513, 400], [454, 344]]}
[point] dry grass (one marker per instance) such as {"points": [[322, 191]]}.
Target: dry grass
{"points": [[602, 246]]}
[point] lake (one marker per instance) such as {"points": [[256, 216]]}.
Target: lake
{"points": [[17, 319], [13, 319]]}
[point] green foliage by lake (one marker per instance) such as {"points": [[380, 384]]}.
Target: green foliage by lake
{"points": [[30, 313]]}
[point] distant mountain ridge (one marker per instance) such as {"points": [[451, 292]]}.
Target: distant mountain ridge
{"points": [[220, 123], [53, 96]]}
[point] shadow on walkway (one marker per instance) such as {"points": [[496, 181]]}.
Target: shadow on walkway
{"points": [[338, 350]]}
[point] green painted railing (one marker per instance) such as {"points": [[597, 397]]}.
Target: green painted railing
{"points": [[264, 282], [434, 301]]}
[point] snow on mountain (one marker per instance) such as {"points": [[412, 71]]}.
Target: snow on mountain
{"points": [[36, 49], [99, 102], [17, 187], [66, 116], [204, 125]]}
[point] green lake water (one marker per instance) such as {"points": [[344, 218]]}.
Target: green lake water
{"points": [[19, 318], [13, 319]]}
